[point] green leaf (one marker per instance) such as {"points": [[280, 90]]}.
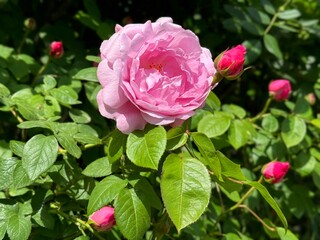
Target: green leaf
{"points": [[65, 95], [17, 147], [186, 188], [79, 116], [116, 146], [266, 195], [39, 154], [69, 144], [304, 164], [105, 192], [229, 168], [212, 102], [37, 124], [176, 138], [207, 150], [258, 16], [254, 48], [7, 166], [5, 51], [98, 168], [214, 125], [237, 134], [18, 225], [289, 14], [293, 131], [49, 82], [4, 91], [286, 234], [132, 214], [87, 20], [316, 123], [87, 137], [270, 123], [271, 44], [235, 110], [20, 176], [144, 190], [88, 74], [145, 148]]}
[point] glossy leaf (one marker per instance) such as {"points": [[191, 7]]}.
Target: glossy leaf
{"points": [[132, 214], [145, 148], [105, 192], [293, 130], [271, 44], [98, 168], [214, 125], [185, 187], [88, 74], [39, 153], [176, 138]]}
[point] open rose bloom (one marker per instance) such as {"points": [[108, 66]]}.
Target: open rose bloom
{"points": [[153, 73]]}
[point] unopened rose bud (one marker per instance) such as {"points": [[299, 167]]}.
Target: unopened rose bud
{"points": [[229, 64], [275, 171], [56, 49], [311, 98], [103, 219], [30, 23], [280, 89]]}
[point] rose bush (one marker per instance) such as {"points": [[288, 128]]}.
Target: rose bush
{"points": [[153, 73]]}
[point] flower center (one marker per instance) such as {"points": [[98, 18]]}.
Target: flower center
{"points": [[157, 66]]}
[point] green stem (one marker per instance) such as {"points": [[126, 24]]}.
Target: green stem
{"points": [[244, 197], [275, 16], [25, 35], [257, 217], [41, 70], [264, 110]]}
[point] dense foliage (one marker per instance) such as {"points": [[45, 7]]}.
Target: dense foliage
{"points": [[60, 160]]}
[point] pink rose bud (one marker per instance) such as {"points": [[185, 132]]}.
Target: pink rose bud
{"points": [[229, 63], [280, 89], [103, 219], [311, 98], [275, 171], [56, 49]]}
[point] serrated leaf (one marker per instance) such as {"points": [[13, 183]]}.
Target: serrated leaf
{"points": [[176, 138], [98, 168], [185, 188], [89, 74], [49, 82], [39, 154], [105, 192], [145, 148], [19, 227], [132, 214], [214, 125], [293, 131], [87, 138], [271, 44], [7, 166], [235, 110], [266, 195], [212, 102], [20, 176], [69, 144], [270, 123]]}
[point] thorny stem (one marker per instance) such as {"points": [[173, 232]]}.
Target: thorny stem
{"points": [[257, 217], [275, 16]]}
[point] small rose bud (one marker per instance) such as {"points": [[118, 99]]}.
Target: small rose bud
{"points": [[103, 219], [229, 64], [30, 23], [280, 89], [311, 98], [275, 171], [56, 49]]}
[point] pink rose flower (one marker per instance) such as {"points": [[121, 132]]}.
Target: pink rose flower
{"points": [[56, 49], [275, 171], [229, 63], [103, 219], [280, 89], [153, 73]]}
